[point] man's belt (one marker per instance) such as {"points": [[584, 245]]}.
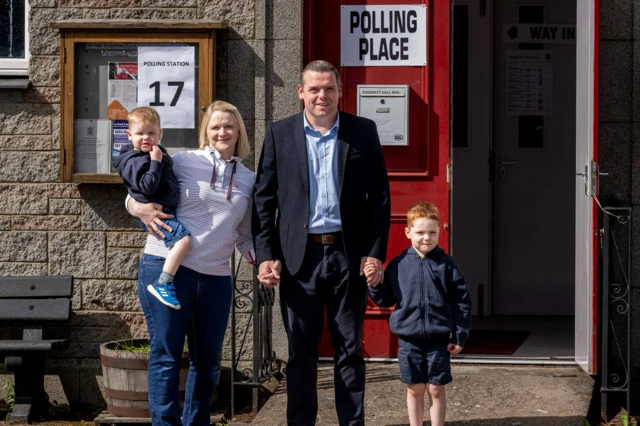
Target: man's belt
{"points": [[326, 238]]}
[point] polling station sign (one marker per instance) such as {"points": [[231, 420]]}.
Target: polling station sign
{"points": [[166, 82], [390, 35]]}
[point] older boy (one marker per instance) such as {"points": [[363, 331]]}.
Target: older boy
{"points": [[147, 173], [432, 313]]}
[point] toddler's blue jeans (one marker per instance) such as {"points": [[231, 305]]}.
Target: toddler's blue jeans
{"points": [[205, 302]]}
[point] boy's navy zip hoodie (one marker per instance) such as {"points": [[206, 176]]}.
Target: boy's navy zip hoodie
{"points": [[148, 181], [430, 295]]}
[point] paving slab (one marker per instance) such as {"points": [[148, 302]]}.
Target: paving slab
{"points": [[480, 395]]}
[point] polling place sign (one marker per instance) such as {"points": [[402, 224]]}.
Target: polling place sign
{"points": [[390, 35]]}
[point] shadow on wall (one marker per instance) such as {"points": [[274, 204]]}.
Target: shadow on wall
{"points": [[74, 374]]}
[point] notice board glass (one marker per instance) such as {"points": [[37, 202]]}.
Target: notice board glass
{"points": [[106, 73]]}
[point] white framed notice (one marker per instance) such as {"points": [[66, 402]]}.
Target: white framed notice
{"points": [[166, 82], [92, 147], [390, 35]]}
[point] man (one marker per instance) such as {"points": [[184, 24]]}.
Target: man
{"points": [[321, 212]]}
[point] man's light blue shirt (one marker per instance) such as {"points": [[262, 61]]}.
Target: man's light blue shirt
{"points": [[324, 194]]}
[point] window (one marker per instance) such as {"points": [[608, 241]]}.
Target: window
{"points": [[14, 37]]}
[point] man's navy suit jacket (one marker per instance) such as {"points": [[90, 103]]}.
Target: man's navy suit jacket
{"points": [[281, 192]]}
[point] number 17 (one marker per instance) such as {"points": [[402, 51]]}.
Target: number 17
{"points": [[156, 86]]}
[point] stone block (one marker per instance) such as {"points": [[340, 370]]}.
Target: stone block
{"points": [[78, 350], [249, 160], [66, 207], [23, 247], [16, 269], [153, 14], [279, 20], [616, 80], [615, 155], [5, 223], [126, 239], [243, 335], [44, 70], [76, 299], [240, 77], [115, 295], [45, 95], [81, 334], [25, 119], [169, 3], [616, 20], [42, 166], [81, 254], [22, 199], [27, 143], [107, 4], [47, 223], [259, 133], [91, 383], [44, 40], [67, 372], [97, 13], [42, 3], [63, 190], [129, 325], [123, 263], [11, 96], [283, 66], [239, 14], [635, 171], [107, 215], [103, 192], [55, 126], [90, 318]]}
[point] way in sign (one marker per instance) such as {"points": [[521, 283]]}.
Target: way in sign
{"points": [[534, 33]]}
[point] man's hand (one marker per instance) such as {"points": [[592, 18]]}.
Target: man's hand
{"points": [[150, 214], [156, 153], [453, 349], [269, 273], [376, 277]]}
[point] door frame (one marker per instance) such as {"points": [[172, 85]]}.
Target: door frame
{"points": [[587, 58]]}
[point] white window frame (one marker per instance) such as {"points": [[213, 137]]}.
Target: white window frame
{"points": [[19, 66]]}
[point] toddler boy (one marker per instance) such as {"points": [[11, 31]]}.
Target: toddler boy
{"points": [[432, 313], [147, 173]]}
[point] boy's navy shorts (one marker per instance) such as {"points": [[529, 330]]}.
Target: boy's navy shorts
{"points": [[178, 230], [424, 361]]}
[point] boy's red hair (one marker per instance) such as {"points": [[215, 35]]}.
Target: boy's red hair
{"points": [[422, 209]]}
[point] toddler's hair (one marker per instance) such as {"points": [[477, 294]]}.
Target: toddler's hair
{"points": [[422, 209], [144, 115]]}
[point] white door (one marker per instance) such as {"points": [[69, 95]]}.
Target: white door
{"points": [[533, 155], [585, 321], [471, 144]]}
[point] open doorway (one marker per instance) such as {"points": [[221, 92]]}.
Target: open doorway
{"points": [[514, 153]]}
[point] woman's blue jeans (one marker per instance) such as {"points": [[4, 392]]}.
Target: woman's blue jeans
{"points": [[205, 302]]}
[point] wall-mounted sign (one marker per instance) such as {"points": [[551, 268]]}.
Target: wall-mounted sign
{"points": [[539, 33], [167, 83], [529, 82], [390, 35]]}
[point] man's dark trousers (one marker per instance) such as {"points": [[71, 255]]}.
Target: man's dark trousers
{"points": [[324, 280]]}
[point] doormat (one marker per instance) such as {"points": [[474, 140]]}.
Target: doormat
{"points": [[494, 342]]}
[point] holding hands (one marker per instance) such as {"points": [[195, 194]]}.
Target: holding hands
{"points": [[371, 268], [269, 273], [453, 349]]}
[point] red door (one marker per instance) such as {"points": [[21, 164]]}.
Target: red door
{"points": [[418, 171]]}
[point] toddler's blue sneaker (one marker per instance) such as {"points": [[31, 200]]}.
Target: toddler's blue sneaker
{"points": [[165, 293]]}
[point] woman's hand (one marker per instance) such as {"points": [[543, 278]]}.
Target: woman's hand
{"points": [[150, 214]]}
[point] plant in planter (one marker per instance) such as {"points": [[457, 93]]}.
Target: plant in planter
{"points": [[124, 370]]}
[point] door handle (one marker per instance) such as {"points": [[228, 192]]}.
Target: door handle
{"points": [[503, 166]]}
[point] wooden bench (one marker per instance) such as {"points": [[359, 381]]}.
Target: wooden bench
{"points": [[31, 302]]}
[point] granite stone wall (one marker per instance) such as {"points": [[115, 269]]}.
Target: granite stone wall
{"points": [[53, 228]]}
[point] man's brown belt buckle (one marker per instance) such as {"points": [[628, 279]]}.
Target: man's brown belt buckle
{"points": [[328, 239]]}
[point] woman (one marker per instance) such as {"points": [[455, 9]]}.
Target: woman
{"points": [[215, 205]]}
